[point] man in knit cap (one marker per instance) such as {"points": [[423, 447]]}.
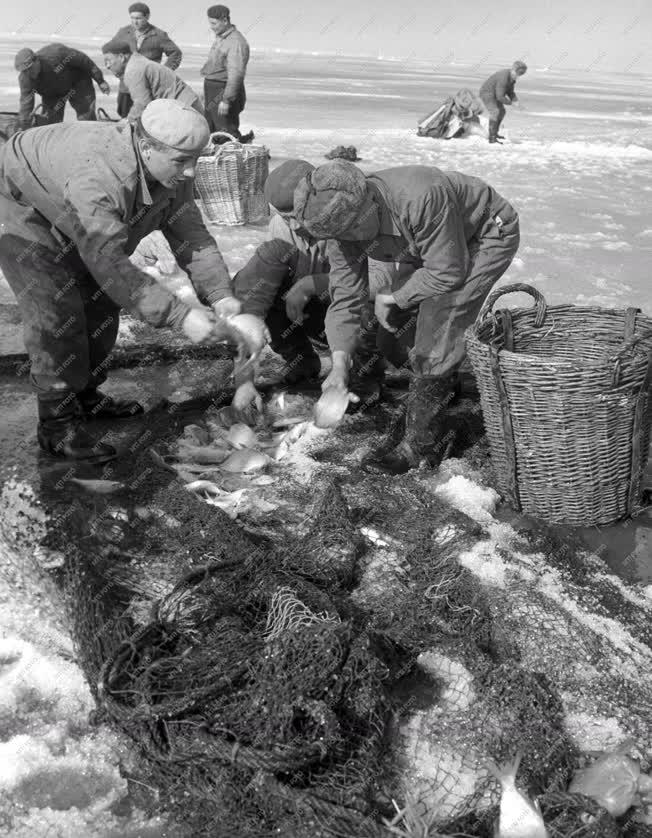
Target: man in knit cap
{"points": [[146, 80], [150, 42], [286, 282], [448, 237], [59, 74], [498, 91], [75, 200], [224, 74]]}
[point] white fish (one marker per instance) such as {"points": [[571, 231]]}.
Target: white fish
{"points": [[519, 817], [202, 453], [230, 503], [331, 407], [100, 487], [245, 460], [205, 486], [241, 436], [253, 330], [612, 780]]}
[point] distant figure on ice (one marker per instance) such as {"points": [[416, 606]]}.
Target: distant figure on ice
{"points": [[146, 80], [224, 74], [148, 40], [59, 74], [446, 238], [286, 283], [498, 91]]}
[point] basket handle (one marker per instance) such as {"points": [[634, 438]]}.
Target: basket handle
{"points": [[631, 343], [540, 303], [103, 116], [223, 134]]}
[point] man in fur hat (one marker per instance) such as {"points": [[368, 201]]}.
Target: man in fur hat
{"points": [[448, 237]]}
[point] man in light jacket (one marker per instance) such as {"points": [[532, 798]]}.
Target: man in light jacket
{"points": [[146, 80], [449, 236], [75, 201], [59, 74], [148, 40], [224, 74]]}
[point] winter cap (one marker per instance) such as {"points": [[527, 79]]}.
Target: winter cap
{"points": [[519, 67], [116, 47], [174, 124], [24, 59], [143, 8], [219, 12], [329, 200], [281, 183]]}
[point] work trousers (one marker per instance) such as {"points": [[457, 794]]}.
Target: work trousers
{"points": [[213, 92], [81, 97], [69, 324]]}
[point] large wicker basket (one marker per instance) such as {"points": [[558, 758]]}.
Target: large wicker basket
{"points": [[230, 182], [566, 400]]}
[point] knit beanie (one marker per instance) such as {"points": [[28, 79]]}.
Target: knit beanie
{"points": [[328, 201]]}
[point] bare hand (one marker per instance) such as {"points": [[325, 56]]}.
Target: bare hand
{"points": [[246, 401], [223, 108], [199, 326], [104, 87], [296, 300], [227, 307], [382, 309]]}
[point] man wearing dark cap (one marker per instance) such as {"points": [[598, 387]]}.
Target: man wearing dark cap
{"points": [[148, 40], [146, 80], [74, 203], [59, 74], [449, 236], [286, 283], [498, 91], [224, 74]]}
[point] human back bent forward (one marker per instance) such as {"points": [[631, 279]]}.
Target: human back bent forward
{"points": [[448, 238], [75, 200]]}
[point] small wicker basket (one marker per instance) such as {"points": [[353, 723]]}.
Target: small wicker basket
{"points": [[229, 179], [565, 394]]}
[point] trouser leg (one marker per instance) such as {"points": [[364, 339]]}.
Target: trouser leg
{"points": [[124, 104], [82, 99], [230, 123], [53, 109]]}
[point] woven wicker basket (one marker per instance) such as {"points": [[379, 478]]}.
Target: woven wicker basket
{"points": [[566, 400], [230, 182]]}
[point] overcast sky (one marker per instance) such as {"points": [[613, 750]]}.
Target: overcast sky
{"points": [[587, 34]]}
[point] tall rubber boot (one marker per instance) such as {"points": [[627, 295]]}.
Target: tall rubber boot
{"points": [[427, 401], [97, 405], [493, 131], [61, 432]]}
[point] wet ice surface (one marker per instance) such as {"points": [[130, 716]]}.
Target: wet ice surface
{"points": [[577, 165]]}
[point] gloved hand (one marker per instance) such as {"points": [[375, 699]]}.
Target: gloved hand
{"points": [[227, 307], [199, 327]]}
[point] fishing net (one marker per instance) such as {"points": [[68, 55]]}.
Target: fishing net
{"points": [[312, 683]]}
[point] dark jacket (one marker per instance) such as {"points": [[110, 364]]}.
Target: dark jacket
{"points": [[427, 217], [499, 88], [154, 45], [61, 68], [87, 180], [227, 62]]}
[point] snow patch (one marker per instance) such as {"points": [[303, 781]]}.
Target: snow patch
{"points": [[468, 497]]}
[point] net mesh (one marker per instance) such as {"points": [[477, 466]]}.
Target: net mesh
{"points": [[299, 685]]}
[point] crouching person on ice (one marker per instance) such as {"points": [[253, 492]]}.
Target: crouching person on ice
{"points": [[448, 237], [75, 200], [286, 282]]}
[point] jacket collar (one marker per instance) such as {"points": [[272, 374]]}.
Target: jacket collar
{"points": [[227, 32]]}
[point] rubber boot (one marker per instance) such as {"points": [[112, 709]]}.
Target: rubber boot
{"points": [[301, 364], [493, 132], [61, 432], [366, 381], [427, 401], [97, 405]]}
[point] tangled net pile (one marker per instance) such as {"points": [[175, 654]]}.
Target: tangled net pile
{"points": [[302, 687]]}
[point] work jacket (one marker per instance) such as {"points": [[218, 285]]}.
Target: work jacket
{"points": [[61, 67], [499, 88], [147, 80], [154, 44], [88, 181], [227, 62], [427, 217]]}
